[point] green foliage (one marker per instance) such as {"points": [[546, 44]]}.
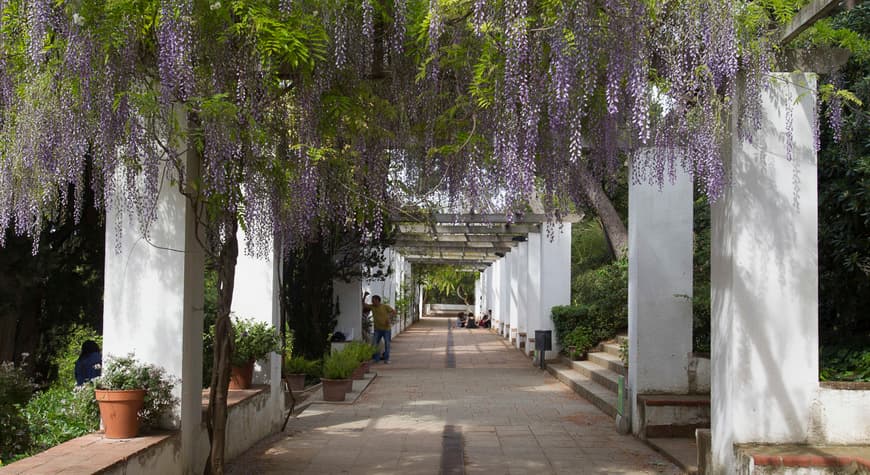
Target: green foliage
{"points": [[849, 361], [605, 291], [15, 390], [301, 365], [360, 351], [253, 341], [580, 338], [446, 284], [701, 277], [589, 248], [128, 373], [59, 414], [339, 365]]}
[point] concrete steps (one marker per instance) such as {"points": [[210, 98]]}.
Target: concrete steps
{"points": [[608, 361], [585, 386], [603, 376]]}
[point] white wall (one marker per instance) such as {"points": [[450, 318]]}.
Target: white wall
{"points": [[153, 300], [659, 288], [765, 281], [349, 296]]}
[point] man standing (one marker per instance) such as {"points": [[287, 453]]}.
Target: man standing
{"points": [[382, 316]]}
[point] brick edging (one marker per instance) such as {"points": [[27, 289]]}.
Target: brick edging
{"points": [[809, 460]]}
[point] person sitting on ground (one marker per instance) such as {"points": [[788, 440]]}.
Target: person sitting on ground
{"points": [[460, 320], [89, 364], [486, 321], [470, 323]]}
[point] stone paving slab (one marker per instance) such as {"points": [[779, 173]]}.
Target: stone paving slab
{"points": [[492, 411]]}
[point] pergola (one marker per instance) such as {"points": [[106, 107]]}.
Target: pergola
{"points": [[473, 241]]}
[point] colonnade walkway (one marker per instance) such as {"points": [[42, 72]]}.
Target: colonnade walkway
{"points": [[454, 400]]}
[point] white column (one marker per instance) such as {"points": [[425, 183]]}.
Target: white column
{"points": [[505, 294], [153, 300], [349, 296], [765, 280], [257, 295], [534, 315], [555, 276], [659, 288], [520, 288]]}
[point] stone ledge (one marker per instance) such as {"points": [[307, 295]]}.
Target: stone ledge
{"points": [[91, 453], [808, 455], [674, 400], [846, 385]]}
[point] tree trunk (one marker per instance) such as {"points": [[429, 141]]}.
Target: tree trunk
{"points": [[614, 229], [223, 348]]}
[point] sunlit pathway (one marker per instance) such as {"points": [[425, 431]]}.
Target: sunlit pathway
{"points": [[454, 401]]}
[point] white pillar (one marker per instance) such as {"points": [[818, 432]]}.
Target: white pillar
{"points": [[659, 288], [514, 291], [555, 276], [349, 296], [504, 295], [765, 280], [533, 289], [153, 300], [257, 295], [520, 288]]}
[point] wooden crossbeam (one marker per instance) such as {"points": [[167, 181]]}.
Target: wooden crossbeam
{"points": [[471, 229], [467, 218]]}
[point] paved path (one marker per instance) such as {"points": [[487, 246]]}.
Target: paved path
{"points": [[454, 401]]}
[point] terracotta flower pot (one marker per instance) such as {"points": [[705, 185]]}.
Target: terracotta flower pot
{"points": [[296, 382], [359, 372], [120, 411], [367, 366], [348, 385], [334, 389], [241, 376]]}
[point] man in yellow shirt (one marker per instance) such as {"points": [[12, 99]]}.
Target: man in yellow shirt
{"points": [[382, 316]]}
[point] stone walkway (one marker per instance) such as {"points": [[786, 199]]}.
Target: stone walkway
{"points": [[454, 401]]}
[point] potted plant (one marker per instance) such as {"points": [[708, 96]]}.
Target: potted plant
{"points": [[337, 368], [362, 353], [131, 394], [580, 341], [295, 370], [253, 341]]}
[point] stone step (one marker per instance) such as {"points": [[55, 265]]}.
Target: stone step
{"points": [[599, 396], [611, 348], [599, 374], [682, 452], [673, 415], [608, 361], [621, 338]]}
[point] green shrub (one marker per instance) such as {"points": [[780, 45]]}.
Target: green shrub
{"points": [[254, 340], [300, 365], [360, 351], [15, 391], [581, 339], [67, 357], [568, 317], [60, 414], [339, 365], [845, 361]]}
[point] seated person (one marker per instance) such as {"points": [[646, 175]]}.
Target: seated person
{"points": [[461, 319], [470, 323], [88, 365], [486, 321]]}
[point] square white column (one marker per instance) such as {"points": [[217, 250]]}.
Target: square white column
{"points": [[349, 298], [659, 288], [534, 314], [555, 276], [519, 289], [153, 302], [257, 295], [505, 295], [765, 279]]}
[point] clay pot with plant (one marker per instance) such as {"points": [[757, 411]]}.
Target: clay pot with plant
{"points": [[253, 341], [337, 368], [579, 342], [131, 394], [296, 368]]}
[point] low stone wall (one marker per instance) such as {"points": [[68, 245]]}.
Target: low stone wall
{"points": [[699, 373], [841, 414]]}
